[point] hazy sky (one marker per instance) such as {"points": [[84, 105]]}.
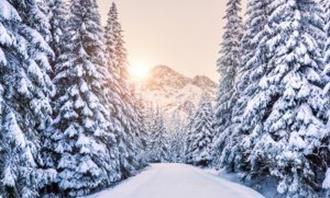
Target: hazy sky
{"points": [[183, 34]]}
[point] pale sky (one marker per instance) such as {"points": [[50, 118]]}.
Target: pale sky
{"points": [[183, 34]]}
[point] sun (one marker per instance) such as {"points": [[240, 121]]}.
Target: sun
{"points": [[138, 71]]}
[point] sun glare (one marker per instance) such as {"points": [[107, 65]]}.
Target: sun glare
{"points": [[138, 71]]}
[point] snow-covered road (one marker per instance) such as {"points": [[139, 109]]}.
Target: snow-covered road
{"points": [[177, 181]]}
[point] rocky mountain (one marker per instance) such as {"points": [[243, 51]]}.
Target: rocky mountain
{"points": [[174, 92]]}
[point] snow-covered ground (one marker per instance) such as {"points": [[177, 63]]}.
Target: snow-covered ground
{"points": [[177, 181]]}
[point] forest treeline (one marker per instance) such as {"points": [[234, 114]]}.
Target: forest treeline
{"points": [[71, 124]]}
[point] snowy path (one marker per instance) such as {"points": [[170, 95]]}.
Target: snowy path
{"points": [[177, 181]]}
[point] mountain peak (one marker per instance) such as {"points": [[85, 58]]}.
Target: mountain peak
{"points": [[163, 68], [203, 81], [163, 77], [175, 92]]}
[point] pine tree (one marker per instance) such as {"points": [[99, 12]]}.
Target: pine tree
{"points": [[121, 98], [54, 18], [285, 107], [25, 89], [159, 151], [177, 139], [43, 26], [189, 136], [228, 65], [325, 152], [326, 5], [55, 10], [149, 114], [57, 19], [81, 136], [202, 134], [116, 45], [254, 54], [141, 112], [326, 93], [254, 61], [176, 146], [56, 13]]}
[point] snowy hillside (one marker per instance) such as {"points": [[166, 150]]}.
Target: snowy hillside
{"points": [[174, 92]]}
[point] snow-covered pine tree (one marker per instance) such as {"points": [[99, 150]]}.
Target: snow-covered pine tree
{"points": [[188, 130], [202, 134], [326, 6], [121, 98], [139, 106], [83, 158], [288, 101], [326, 94], [326, 11], [57, 18], [116, 44], [177, 146], [253, 65], [148, 114], [189, 136], [158, 138], [177, 139], [254, 54], [228, 65], [44, 26], [25, 90]]}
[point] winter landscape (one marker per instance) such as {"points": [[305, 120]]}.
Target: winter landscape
{"points": [[80, 118]]}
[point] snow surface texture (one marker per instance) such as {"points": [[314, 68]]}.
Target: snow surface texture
{"points": [[177, 181]]}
